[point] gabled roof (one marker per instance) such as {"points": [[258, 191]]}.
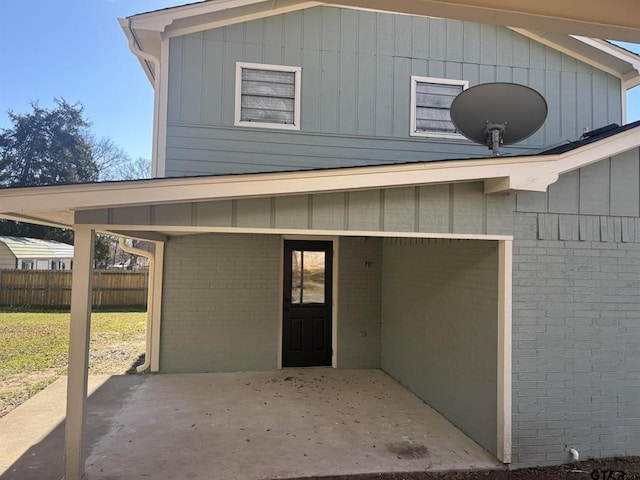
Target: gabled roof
{"points": [[34, 248], [548, 21]]}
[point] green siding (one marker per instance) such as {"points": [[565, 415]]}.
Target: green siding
{"points": [[457, 208], [608, 187], [439, 328], [356, 69]]}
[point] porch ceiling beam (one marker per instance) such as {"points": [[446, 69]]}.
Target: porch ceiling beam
{"points": [[39, 220]]}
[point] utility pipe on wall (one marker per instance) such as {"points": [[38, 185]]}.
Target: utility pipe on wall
{"points": [[575, 456], [150, 282]]}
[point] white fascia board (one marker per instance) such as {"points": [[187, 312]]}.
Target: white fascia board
{"points": [[530, 173], [214, 14], [163, 231], [597, 53], [159, 20], [246, 13], [47, 218], [631, 77], [618, 21], [206, 15]]}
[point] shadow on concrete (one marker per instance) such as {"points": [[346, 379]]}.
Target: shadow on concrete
{"points": [[137, 362], [45, 460]]}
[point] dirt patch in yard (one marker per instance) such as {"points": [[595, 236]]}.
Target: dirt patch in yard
{"points": [[626, 468], [34, 346]]}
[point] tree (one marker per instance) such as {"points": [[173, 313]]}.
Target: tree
{"points": [[47, 147], [108, 158], [134, 169], [55, 146]]}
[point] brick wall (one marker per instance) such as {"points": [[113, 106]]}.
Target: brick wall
{"points": [[359, 281], [439, 328], [576, 343], [221, 303]]}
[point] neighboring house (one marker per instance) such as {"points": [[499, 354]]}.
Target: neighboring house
{"points": [[23, 253], [314, 206]]}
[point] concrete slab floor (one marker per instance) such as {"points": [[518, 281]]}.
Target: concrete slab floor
{"points": [[265, 425], [281, 424]]}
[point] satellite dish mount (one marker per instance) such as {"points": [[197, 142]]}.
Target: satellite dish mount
{"points": [[516, 112], [494, 136]]}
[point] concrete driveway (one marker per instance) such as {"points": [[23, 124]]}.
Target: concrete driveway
{"points": [[289, 423]]}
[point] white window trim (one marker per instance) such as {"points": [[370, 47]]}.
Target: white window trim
{"points": [[279, 68], [444, 81]]}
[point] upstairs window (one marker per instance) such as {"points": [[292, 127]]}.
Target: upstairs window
{"points": [[267, 96], [431, 100]]}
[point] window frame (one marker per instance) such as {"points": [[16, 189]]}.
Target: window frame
{"points": [[278, 68], [415, 79]]}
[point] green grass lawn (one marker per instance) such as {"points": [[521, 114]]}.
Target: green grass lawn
{"points": [[34, 348]]}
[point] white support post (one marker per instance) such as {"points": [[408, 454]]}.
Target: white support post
{"points": [[505, 265], [79, 331], [156, 305]]}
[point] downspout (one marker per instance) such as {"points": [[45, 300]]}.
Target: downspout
{"points": [[151, 275], [135, 49]]}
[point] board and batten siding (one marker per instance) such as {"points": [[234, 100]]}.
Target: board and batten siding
{"points": [[599, 202], [449, 208], [356, 82]]}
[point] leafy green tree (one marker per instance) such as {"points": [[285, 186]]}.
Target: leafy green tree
{"points": [[47, 147], [50, 147]]}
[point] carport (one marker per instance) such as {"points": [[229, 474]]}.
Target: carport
{"points": [[397, 243]]}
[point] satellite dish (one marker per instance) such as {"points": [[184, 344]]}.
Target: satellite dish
{"points": [[498, 113]]}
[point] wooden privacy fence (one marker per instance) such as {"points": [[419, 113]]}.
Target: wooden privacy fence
{"points": [[52, 288]]}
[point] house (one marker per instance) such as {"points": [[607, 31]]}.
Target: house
{"points": [[23, 253], [312, 205]]}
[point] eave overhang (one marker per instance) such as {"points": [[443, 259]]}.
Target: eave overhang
{"points": [[502, 174], [559, 25]]}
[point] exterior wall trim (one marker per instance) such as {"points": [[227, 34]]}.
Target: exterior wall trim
{"points": [[280, 68], [412, 125], [162, 99], [504, 413], [156, 319], [298, 232]]}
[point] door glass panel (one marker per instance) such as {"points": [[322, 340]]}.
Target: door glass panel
{"points": [[307, 277], [296, 277], [313, 277]]}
